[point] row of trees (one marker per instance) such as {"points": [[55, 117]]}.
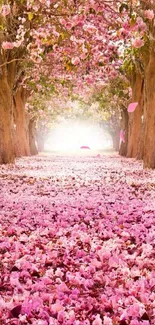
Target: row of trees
{"points": [[138, 68], [66, 48], [27, 34]]}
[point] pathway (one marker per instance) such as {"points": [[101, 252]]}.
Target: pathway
{"points": [[77, 241]]}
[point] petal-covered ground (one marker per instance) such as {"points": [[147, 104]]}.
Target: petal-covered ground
{"points": [[77, 241]]}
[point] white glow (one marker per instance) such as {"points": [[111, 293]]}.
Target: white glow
{"points": [[70, 136]]}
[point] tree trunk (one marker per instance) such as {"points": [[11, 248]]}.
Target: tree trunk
{"points": [[6, 124], [22, 132], [32, 137], [116, 140], [149, 114], [140, 152], [40, 143], [41, 135], [135, 118], [124, 127]]}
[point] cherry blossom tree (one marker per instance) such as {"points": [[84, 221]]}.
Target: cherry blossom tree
{"points": [[28, 30], [139, 28]]}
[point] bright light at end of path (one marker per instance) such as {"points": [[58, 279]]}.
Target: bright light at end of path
{"points": [[70, 136]]}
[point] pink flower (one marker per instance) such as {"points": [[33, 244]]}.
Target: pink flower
{"points": [[136, 310], [107, 321], [61, 316], [124, 31], [97, 321], [5, 10], [83, 56], [137, 43], [57, 307], [71, 316], [149, 14], [141, 25], [89, 80], [69, 25], [7, 45], [75, 61], [16, 44], [27, 307], [95, 262], [89, 28], [135, 322]]}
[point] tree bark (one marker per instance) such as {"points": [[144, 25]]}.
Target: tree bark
{"points": [[6, 123], [116, 140], [41, 135], [32, 137], [40, 143], [21, 123], [149, 114], [135, 118], [124, 127], [140, 152]]}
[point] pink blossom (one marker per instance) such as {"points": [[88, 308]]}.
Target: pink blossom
{"points": [[7, 45], [89, 28], [107, 321], [137, 43], [57, 307], [17, 43], [83, 56], [149, 14], [97, 321], [135, 322], [5, 10], [61, 316], [75, 61], [90, 80]]}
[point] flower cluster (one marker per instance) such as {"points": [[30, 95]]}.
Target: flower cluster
{"points": [[5, 10]]}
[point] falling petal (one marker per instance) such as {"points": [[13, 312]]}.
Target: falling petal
{"points": [[132, 107], [84, 147]]}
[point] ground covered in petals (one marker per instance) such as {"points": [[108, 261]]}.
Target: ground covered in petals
{"points": [[77, 241]]}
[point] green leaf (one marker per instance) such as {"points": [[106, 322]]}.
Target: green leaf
{"points": [[30, 16], [133, 20]]}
